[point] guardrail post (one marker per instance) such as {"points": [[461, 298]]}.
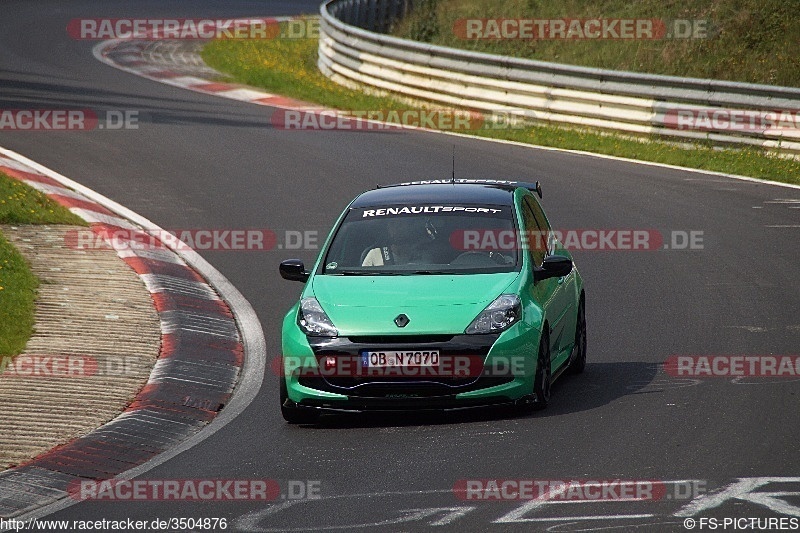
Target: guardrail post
{"points": [[371, 11], [381, 16], [350, 11], [408, 6], [359, 13]]}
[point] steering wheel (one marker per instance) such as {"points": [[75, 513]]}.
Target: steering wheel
{"points": [[474, 258]]}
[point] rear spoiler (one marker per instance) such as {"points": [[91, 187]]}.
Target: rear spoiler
{"points": [[535, 187]]}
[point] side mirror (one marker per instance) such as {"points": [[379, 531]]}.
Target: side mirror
{"points": [[293, 270], [553, 266]]}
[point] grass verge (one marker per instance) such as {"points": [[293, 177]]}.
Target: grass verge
{"points": [[738, 40], [21, 204], [288, 67], [17, 296]]}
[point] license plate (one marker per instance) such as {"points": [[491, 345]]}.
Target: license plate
{"points": [[397, 358]]}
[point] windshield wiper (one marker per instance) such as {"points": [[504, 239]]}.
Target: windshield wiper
{"points": [[390, 272], [361, 273]]}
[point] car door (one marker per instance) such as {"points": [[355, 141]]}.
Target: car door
{"points": [[555, 291]]}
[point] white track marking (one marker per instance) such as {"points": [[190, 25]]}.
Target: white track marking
{"points": [[745, 490], [252, 373]]}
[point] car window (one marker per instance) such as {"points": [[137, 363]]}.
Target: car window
{"points": [[538, 213], [535, 234], [424, 239]]}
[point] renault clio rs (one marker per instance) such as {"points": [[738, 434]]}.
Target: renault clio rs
{"points": [[433, 295]]}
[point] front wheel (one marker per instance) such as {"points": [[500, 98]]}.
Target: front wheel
{"points": [[542, 381]]}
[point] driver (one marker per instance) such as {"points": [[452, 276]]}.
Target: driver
{"points": [[409, 241]]}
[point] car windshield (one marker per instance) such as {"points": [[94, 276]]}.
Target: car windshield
{"points": [[424, 239]]}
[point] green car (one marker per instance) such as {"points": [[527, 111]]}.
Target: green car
{"points": [[433, 295]]}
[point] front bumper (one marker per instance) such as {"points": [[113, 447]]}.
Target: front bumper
{"points": [[371, 405], [307, 387]]}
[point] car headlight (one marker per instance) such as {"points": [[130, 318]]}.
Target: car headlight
{"points": [[313, 321], [498, 315]]}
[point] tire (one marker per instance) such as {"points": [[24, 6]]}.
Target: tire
{"points": [[543, 380], [294, 415], [579, 363]]}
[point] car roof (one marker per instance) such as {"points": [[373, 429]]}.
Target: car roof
{"points": [[473, 192]]}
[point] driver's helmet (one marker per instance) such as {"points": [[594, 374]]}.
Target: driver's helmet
{"points": [[408, 230]]}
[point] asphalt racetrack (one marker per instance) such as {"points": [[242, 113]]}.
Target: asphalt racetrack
{"points": [[198, 161]]}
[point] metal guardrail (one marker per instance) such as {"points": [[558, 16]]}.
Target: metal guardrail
{"points": [[354, 52]]}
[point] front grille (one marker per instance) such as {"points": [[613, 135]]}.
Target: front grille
{"points": [[474, 346], [402, 339], [403, 389]]}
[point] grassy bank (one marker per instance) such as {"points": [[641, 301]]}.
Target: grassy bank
{"points": [[288, 67], [745, 40], [20, 204], [17, 294]]}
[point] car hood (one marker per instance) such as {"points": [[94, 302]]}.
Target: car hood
{"points": [[368, 305]]}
